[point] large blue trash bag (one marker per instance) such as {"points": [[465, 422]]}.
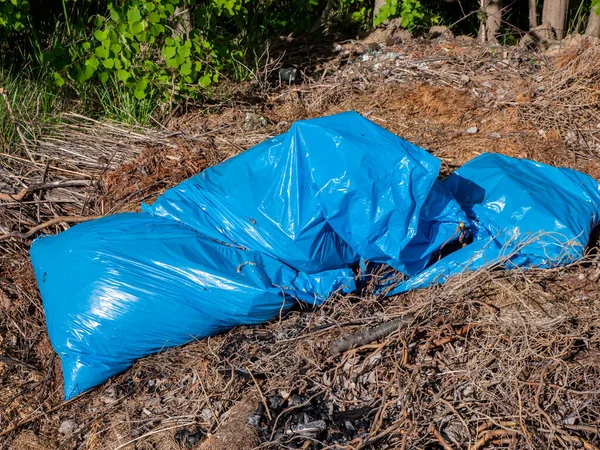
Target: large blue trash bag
{"points": [[320, 195], [521, 214], [128, 285], [235, 244]]}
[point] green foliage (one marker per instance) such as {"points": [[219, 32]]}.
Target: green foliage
{"points": [[596, 6], [13, 14], [412, 13]]}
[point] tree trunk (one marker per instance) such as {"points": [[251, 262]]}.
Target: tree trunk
{"points": [[532, 14], [493, 17], [377, 7], [184, 24], [593, 25], [555, 13]]}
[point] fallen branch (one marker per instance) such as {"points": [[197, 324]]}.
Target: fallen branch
{"points": [[349, 341], [49, 223], [23, 193]]}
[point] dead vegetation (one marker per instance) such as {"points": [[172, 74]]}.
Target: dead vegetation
{"points": [[489, 360]]}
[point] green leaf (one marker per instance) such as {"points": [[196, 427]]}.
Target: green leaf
{"points": [[170, 42], [115, 48], [100, 35], [205, 81], [114, 14], [139, 94], [118, 64], [92, 62], [186, 68], [153, 17], [123, 75], [141, 84], [103, 76], [58, 80], [133, 15], [101, 52], [136, 27], [184, 51], [170, 52], [109, 63], [172, 62], [86, 45]]}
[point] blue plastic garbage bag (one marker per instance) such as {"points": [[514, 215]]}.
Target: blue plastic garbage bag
{"points": [[235, 244], [321, 195], [128, 285], [521, 214]]}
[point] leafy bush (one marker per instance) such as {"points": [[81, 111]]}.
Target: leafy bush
{"points": [[412, 13]]}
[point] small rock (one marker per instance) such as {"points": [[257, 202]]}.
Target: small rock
{"points": [[254, 121], [495, 135], [472, 130], [288, 74], [206, 414], [67, 427], [464, 78], [254, 420]]}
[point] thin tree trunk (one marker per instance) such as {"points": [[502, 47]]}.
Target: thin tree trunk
{"points": [[593, 25], [184, 24], [377, 7], [493, 17], [532, 14], [555, 13]]}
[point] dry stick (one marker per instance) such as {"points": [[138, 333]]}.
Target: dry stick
{"points": [[443, 442], [40, 187], [493, 434], [347, 342], [49, 223]]}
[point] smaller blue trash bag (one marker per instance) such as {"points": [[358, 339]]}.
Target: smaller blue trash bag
{"points": [[521, 214], [291, 219]]}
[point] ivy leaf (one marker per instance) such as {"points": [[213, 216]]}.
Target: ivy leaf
{"points": [[139, 94], [109, 63], [86, 45], [118, 64], [103, 76]]}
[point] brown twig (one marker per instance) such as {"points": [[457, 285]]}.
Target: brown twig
{"points": [[48, 223], [443, 442], [23, 193], [349, 341]]}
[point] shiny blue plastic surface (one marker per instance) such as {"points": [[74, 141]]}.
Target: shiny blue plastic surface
{"points": [[289, 219], [521, 214]]}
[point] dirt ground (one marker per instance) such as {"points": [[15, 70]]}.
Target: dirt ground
{"points": [[490, 360]]}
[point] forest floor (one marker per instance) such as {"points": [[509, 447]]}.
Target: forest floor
{"points": [[491, 359]]}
